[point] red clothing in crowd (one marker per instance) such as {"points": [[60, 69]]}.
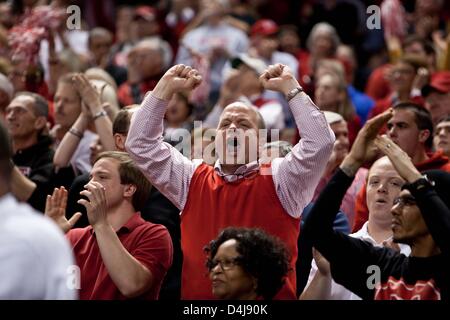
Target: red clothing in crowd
{"points": [[126, 96], [384, 104], [377, 86], [211, 196], [149, 243], [305, 73], [353, 125], [436, 160]]}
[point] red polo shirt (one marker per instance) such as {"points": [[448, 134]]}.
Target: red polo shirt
{"points": [[149, 243]]}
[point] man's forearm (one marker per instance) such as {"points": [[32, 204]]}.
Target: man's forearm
{"points": [[319, 288], [70, 143], [165, 167], [319, 223], [130, 276], [311, 123], [21, 187], [302, 168], [349, 166]]}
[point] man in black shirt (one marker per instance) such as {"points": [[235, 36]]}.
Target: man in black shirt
{"points": [[33, 176], [421, 219]]}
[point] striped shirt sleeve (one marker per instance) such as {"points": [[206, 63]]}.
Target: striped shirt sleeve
{"points": [[297, 175], [163, 165]]}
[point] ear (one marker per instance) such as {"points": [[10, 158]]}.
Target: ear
{"points": [[129, 190], [119, 141], [40, 123], [423, 135]]}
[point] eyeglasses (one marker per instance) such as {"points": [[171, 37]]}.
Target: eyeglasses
{"points": [[225, 264], [405, 201]]}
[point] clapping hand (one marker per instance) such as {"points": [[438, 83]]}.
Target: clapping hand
{"points": [[88, 93], [399, 158], [55, 208], [96, 206]]}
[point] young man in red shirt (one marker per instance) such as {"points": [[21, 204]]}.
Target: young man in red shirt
{"points": [[120, 255]]}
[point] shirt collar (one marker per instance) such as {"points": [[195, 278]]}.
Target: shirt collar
{"points": [[240, 173], [132, 223], [363, 234]]}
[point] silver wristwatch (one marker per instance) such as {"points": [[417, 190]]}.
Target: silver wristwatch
{"points": [[291, 94]]}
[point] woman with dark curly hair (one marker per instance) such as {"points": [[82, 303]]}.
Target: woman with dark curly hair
{"points": [[246, 264]]}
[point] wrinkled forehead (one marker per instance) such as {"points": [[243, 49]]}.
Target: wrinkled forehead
{"points": [[239, 110], [26, 102], [443, 124]]}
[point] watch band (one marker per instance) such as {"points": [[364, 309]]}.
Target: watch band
{"points": [[293, 93], [418, 184], [100, 114]]}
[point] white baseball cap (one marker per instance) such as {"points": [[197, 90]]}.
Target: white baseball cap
{"points": [[333, 117], [254, 63]]}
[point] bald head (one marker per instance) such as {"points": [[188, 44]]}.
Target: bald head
{"points": [[382, 164], [241, 108], [383, 186]]}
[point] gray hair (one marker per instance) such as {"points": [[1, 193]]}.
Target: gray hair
{"points": [[99, 32], [156, 43], [323, 27], [100, 74], [40, 106]]}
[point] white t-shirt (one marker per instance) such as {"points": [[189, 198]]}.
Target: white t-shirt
{"points": [[36, 259]]}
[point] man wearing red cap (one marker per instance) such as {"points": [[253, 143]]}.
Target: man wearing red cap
{"points": [[146, 21], [437, 96], [264, 42]]}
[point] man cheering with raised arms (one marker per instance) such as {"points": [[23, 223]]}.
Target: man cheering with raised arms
{"points": [[236, 191]]}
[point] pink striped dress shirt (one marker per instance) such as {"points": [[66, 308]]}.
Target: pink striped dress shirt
{"points": [[295, 176]]}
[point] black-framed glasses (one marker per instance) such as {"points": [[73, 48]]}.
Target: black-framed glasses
{"points": [[405, 201], [225, 264]]}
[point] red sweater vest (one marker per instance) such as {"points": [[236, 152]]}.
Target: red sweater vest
{"points": [[213, 205]]}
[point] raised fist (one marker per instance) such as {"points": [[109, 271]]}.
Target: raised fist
{"points": [[176, 79], [279, 78]]}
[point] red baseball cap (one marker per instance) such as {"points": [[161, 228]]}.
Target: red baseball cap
{"points": [[264, 27], [145, 12], [440, 82]]}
